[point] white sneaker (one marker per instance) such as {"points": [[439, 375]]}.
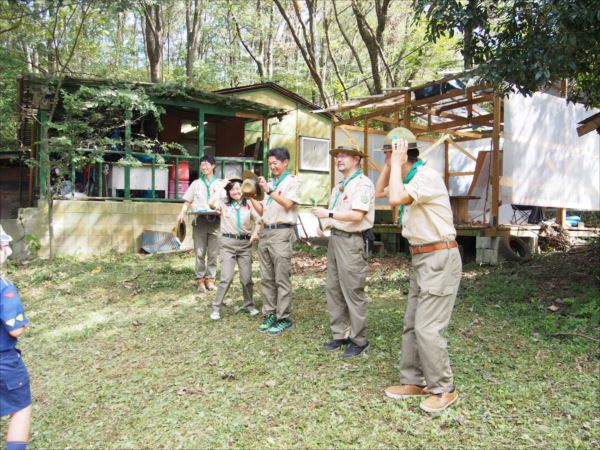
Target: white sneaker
{"points": [[215, 315], [252, 310]]}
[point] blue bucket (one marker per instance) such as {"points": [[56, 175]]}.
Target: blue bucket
{"points": [[573, 220]]}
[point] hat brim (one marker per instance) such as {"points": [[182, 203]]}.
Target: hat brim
{"points": [[259, 195], [412, 147], [348, 151]]}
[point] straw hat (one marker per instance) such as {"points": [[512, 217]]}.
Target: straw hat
{"points": [[349, 146], [179, 231], [251, 187], [401, 133]]}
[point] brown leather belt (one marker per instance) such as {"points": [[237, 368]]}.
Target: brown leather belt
{"points": [[428, 248]]}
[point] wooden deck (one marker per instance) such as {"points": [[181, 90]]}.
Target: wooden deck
{"points": [[487, 230]]}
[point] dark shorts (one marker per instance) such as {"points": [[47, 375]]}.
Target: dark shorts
{"points": [[14, 383]]}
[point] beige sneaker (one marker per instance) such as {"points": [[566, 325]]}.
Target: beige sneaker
{"points": [[405, 391], [439, 402], [201, 285], [210, 284]]}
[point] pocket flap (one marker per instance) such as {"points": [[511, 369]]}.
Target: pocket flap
{"points": [[17, 382], [441, 291]]}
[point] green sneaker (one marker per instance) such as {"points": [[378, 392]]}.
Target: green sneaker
{"points": [[270, 319], [279, 327]]}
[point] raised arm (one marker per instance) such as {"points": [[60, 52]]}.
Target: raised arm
{"points": [[397, 193]]}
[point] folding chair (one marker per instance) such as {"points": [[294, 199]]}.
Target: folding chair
{"points": [[521, 214]]}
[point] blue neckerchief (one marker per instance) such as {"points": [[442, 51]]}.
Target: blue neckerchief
{"points": [[277, 183], [409, 176]]}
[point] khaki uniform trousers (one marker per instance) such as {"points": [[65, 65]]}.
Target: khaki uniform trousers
{"points": [[206, 246], [345, 289], [275, 257], [235, 251], [432, 292]]}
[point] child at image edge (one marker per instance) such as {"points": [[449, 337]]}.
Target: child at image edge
{"points": [[15, 396]]}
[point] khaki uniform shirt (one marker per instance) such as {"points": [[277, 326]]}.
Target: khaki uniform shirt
{"points": [[429, 217], [198, 194], [229, 224], [273, 212], [359, 195]]}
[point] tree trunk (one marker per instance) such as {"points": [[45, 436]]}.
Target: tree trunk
{"points": [[308, 49], [193, 23], [373, 40], [153, 36]]}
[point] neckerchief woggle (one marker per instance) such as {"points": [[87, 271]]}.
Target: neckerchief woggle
{"points": [[343, 184], [277, 183], [409, 176]]}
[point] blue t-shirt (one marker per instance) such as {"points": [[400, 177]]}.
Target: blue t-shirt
{"points": [[12, 314]]}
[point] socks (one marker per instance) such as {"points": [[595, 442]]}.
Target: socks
{"points": [[16, 445]]}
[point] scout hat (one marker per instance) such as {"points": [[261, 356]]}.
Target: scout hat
{"points": [[179, 231], [349, 147], [250, 186], [232, 177], [401, 133]]}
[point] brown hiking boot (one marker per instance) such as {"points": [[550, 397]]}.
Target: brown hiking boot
{"points": [[439, 402], [405, 391], [201, 285], [210, 284]]}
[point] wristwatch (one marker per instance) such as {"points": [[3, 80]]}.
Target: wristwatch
{"points": [[331, 214]]}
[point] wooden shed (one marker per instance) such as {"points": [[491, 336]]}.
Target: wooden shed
{"points": [[306, 135]]}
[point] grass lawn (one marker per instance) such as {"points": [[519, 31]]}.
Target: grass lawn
{"points": [[122, 354]]}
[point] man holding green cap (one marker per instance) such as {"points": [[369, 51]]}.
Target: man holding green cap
{"points": [[426, 219], [351, 212]]}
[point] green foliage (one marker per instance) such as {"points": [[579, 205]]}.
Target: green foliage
{"points": [[32, 243], [90, 115], [524, 45]]}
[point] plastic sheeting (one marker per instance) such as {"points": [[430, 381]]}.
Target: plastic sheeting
{"points": [[545, 162]]}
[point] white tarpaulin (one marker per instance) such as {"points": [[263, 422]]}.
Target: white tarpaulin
{"points": [[545, 162]]}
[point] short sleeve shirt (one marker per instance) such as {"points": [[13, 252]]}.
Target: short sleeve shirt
{"points": [[198, 193], [229, 217], [273, 212], [429, 217], [359, 195], [12, 314]]}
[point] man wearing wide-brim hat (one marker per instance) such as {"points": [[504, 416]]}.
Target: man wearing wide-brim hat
{"points": [[426, 219], [350, 214]]}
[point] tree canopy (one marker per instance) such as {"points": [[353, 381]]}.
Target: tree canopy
{"points": [[524, 45]]}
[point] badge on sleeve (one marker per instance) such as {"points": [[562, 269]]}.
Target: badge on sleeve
{"points": [[364, 198]]}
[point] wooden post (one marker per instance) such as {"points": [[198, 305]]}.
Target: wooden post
{"points": [[127, 154], [265, 147], [332, 161], [407, 111], [201, 134], [447, 164], [496, 162], [366, 147]]}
